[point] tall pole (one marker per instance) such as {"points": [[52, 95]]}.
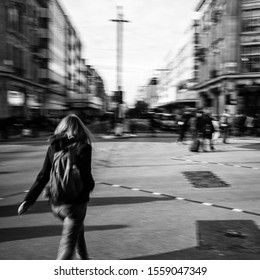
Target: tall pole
{"points": [[119, 114], [120, 20]]}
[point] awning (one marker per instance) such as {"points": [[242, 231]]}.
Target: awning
{"points": [[51, 106]]}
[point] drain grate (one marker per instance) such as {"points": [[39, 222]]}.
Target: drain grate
{"points": [[204, 179], [241, 236]]}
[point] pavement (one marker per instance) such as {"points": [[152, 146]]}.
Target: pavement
{"points": [[143, 206]]}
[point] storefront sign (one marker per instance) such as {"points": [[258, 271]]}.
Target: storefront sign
{"points": [[15, 98]]}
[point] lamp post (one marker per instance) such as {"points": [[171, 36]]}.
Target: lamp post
{"points": [[119, 93]]}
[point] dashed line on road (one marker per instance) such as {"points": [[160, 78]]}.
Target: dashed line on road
{"points": [[217, 163], [182, 198]]}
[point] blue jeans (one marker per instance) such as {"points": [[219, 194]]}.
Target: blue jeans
{"points": [[73, 231]]}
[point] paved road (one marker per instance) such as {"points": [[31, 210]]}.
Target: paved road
{"points": [[144, 205]]}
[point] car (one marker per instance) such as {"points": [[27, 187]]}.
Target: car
{"points": [[168, 121]]}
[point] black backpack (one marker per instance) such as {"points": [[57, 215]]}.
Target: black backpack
{"points": [[208, 128], [65, 179]]}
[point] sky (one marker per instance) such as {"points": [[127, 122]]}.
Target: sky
{"points": [[154, 29]]}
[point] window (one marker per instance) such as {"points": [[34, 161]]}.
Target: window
{"points": [[12, 17], [250, 63], [251, 25]]}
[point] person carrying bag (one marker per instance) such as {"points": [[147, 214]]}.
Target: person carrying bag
{"points": [[67, 166]]}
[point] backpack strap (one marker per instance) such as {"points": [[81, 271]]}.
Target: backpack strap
{"points": [[73, 153]]}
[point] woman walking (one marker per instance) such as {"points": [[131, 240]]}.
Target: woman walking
{"points": [[70, 134]]}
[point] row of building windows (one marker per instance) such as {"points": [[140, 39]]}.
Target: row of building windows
{"points": [[21, 62], [250, 38], [251, 25], [25, 55], [18, 20], [250, 50], [250, 63], [251, 13]]}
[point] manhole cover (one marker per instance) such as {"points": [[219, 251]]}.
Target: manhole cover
{"points": [[204, 179], [241, 236]]}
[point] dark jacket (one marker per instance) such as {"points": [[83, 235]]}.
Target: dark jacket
{"points": [[83, 162], [208, 128]]}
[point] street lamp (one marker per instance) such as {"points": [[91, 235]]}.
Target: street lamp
{"points": [[119, 93]]}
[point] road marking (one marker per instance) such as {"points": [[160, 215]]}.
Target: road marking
{"points": [[207, 204], [218, 163], [237, 210], [184, 199]]}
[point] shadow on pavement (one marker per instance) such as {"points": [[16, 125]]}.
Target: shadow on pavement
{"points": [[21, 233], [104, 201], [195, 253], [254, 146], [43, 206], [218, 240]]}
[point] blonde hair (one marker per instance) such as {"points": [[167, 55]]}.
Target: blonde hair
{"points": [[73, 126]]}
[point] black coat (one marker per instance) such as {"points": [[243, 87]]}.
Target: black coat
{"points": [[83, 161]]}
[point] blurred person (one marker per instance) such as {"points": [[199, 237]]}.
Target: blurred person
{"points": [[225, 122], [257, 124], [249, 125], [70, 132], [192, 126], [215, 122], [110, 123], [199, 127], [208, 130], [4, 128], [237, 125], [152, 124], [183, 127], [197, 141]]}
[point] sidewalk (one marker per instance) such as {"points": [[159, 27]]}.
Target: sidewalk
{"points": [[143, 207]]}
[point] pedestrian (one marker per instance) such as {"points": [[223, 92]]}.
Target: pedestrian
{"points": [[183, 127], [152, 124], [200, 129], [208, 130], [249, 125], [215, 123], [225, 122], [192, 125], [70, 133]]}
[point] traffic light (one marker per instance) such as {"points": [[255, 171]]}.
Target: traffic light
{"points": [[118, 96]]}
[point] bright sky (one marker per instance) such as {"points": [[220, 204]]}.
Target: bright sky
{"points": [[154, 29]]}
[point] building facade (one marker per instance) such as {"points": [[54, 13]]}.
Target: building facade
{"points": [[21, 90], [42, 72], [177, 75], [228, 54]]}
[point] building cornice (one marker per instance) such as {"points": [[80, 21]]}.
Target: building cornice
{"points": [[19, 79], [226, 77]]}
